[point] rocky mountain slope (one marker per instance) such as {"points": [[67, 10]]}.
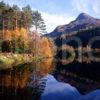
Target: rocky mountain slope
{"points": [[82, 22]]}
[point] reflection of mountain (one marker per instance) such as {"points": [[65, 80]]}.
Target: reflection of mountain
{"points": [[56, 90]]}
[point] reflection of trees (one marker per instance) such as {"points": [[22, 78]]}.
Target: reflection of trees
{"points": [[65, 54], [43, 67], [18, 77]]}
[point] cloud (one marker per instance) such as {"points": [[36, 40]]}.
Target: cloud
{"points": [[96, 6], [80, 5], [88, 6], [54, 20]]}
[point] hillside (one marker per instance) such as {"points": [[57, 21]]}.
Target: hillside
{"points": [[82, 22]]}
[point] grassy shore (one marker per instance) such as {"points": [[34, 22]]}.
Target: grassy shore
{"points": [[7, 60]]}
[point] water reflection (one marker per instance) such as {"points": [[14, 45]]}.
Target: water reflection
{"points": [[14, 81], [17, 78], [82, 75]]}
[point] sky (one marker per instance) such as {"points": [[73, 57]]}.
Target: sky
{"points": [[60, 12]]}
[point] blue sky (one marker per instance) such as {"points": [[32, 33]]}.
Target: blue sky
{"points": [[59, 12]]}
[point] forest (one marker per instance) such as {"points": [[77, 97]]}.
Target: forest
{"points": [[15, 24], [22, 50]]}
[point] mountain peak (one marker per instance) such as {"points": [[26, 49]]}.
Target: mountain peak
{"points": [[83, 22], [84, 16]]}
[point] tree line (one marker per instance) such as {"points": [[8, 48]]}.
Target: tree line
{"points": [[15, 24], [12, 17]]}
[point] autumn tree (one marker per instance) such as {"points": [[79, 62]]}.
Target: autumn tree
{"points": [[13, 20], [20, 45], [6, 46]]}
